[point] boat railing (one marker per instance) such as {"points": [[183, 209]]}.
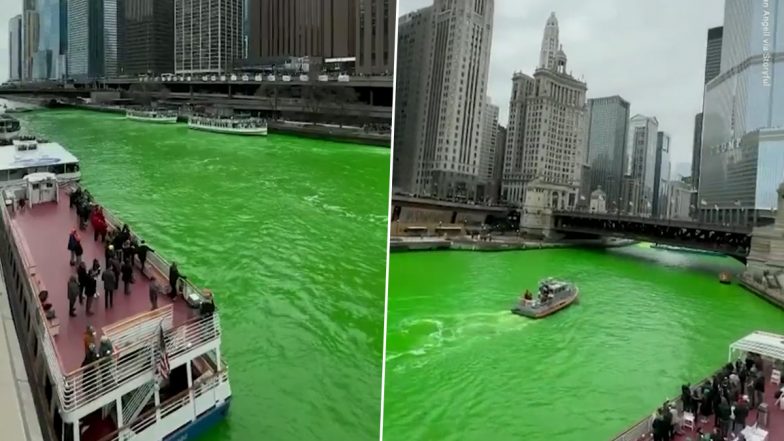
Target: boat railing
{"points": [[642, 428], [185, 398], [139, 326], [90, 382]]}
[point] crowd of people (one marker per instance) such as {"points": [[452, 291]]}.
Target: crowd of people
{"points": [[121, 249], [727, 399]]}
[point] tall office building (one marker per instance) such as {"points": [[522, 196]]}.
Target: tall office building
{"points": [[450, 137], [207, 36], [488, 150], [546, 150], [15, 48], [498, 167], [642, 143], [712, 70], [742, 155], [713, 53], [92, 39], [662, 172], [315, 28], [145, 30], [413, 39], [608, 121], [49, 60], [376, 36], [30, 32]]}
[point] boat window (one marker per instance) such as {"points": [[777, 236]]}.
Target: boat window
{"points": [[57, 169], [36, 186], [49, 185], [72, 167]]}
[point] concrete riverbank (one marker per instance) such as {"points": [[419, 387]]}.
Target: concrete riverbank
{"points": [[325, 132], [774, 296], [499, 243]]}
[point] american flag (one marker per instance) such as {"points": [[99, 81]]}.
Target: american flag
{"points": [[163, 361]]}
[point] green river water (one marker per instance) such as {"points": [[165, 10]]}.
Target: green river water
{"points": [[460, 366], [289, 232]]}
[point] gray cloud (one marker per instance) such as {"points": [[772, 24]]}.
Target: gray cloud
{"points": [[650, 53]]}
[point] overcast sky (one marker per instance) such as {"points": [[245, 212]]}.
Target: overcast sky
{"points": [[8, 8], [650, 53]]}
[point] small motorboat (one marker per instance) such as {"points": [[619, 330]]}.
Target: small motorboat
{"points": [[725, 278], [554, 295]]}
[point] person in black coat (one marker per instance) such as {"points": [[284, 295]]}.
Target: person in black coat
{"points": [[126, 272], [174, 277], [142, 251], [82, 275], [90, 290], [78, 250]]}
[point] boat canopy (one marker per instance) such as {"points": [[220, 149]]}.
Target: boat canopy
{"points": [[759, 342]]}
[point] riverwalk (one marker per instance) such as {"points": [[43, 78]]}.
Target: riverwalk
{"points": [[496, 243], [18, 417]]}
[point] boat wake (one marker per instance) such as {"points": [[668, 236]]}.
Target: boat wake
{"points": [[419, 337]]}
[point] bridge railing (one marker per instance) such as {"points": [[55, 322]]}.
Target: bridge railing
{"points": [[724, 227]]}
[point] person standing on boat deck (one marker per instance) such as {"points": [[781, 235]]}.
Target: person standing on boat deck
{"points": [[78, 250], [95, 270], [73, 294], [174, 277], [127, 275], [98, 221], [724, 413], [88, 338], [82, 276], [759, 390], [72, 246], [74, 197], [108, 253], [90, 292], [109, 279], [741, 413], [116, 266], [155, 291], [142, 251]]}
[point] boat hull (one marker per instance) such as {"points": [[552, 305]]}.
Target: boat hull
{"points": [[228, 131], [555, 306], [165, 120], [201, 424]]}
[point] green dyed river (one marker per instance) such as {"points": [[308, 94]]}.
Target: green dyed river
{"points": [[290, 233], [460, 366]]}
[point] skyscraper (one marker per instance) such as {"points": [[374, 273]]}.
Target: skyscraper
{"points": [[376, 36], [608, 121], [208, 36], [316, 28], [450, 135], [145, 30], [642, 143], [662, 174], [15, 48], [742, 154], [498, 167], [30, 32], [712, 70], [546, 149], [92, 39], [488, 151], [713, 53], [413, 39]]}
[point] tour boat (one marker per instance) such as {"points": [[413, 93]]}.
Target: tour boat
{"points": [[770, 347], [162, 375], [554, 295], [9, 126], [22, 156], [677, 249], [234, 126], [153, 116]]}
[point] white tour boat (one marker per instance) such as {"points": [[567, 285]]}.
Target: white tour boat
{"points": [[234, 126], [154, 116], [158, 374], [9, 126], [24, 156]]}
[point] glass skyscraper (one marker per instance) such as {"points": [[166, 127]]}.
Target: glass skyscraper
{"points": [[608, 120], [49, 58], [742, 158]]}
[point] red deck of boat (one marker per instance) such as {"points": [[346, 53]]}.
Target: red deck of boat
{"points": [[775, 419], [45, 229]]}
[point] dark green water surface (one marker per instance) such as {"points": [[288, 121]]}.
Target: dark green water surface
{"points": [[289, 232], [460, 366]]}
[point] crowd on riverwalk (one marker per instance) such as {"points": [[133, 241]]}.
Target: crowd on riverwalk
{"points": [[717, 409]]}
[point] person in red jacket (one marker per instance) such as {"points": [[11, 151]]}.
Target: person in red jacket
{"points": [[98, 222]]}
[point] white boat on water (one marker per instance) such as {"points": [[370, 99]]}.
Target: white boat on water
{"points": [[234, 126], [153, 116], [9, 126]]}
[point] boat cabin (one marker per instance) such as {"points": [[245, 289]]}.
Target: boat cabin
{"points": [[29, 156]]}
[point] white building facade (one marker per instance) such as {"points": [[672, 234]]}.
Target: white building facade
{"points": [[207, 36], [641, 148]]}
